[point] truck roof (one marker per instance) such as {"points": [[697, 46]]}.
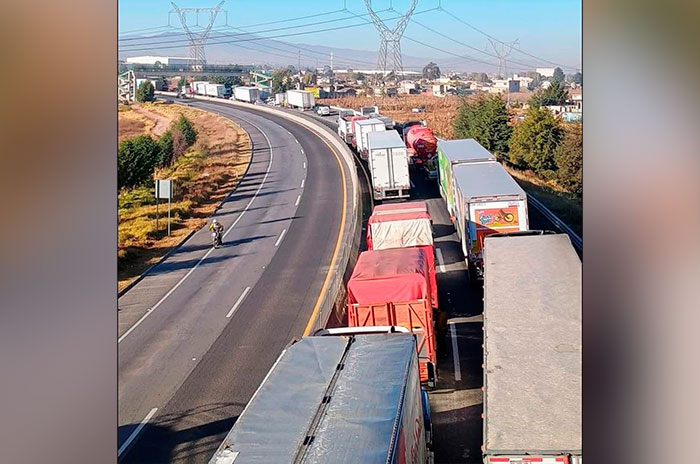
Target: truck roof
{"points": [[397, 275], [243, 87], [368, 122], [485, 179], [464, 150], [384, 139], [355, 426], [532, 344]]}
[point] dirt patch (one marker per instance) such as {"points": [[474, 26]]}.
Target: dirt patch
{"points": [[204, 176]]}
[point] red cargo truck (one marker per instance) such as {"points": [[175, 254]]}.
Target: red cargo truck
{"points": [[392, 287], [421, 143], [403, 225]]}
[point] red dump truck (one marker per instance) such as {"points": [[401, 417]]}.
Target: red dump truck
{"points": [[336, 399], [392, 288], [403, 225]]}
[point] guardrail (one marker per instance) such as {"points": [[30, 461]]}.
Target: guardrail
{"points": [[576, 241], [333, 302]]}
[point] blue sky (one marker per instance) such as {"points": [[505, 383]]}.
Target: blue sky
{"points": [[550, 29]]}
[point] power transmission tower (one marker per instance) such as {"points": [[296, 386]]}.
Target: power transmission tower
{"points": [[126, 87], [390, 39], [197, 38], [502, 51]]}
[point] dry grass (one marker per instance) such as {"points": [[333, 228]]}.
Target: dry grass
{"points": [[566, 207], [204, 175], [439, 111]]}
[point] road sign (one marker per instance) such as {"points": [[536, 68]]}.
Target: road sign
{"points": [[164, 190]]}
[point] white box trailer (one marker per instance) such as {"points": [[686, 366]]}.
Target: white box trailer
{"points": [[362, 128], [300, 99], [388, 165], [336, 399], [215, 90], [200, 87], [487, 201], [246, 94], [279, 98], [532, 350]]}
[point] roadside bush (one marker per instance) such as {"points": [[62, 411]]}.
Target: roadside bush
{"points": [[484, 118], [137, 157], [534, 141], [185, 126], [166, 148], [145, 92], [179, 144], [569, 158]]}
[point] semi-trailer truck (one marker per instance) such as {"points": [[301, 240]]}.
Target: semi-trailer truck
{"points": [[330, 399], [486, 201], [300, 99], [392, 288], [532, 350], [246, 94], [403, 225], [215, 90], [452, 153], [360, 130], [388, 165]]}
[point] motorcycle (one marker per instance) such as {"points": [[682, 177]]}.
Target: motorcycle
{"points": [[216, 238]]}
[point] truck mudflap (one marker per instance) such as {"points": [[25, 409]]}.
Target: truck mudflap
{"points": [[530, 459]]}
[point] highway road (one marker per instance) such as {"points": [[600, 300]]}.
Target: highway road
{"points": [[199, 333]]}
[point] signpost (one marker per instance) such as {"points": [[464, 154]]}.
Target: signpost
{"points": [[164, 190]]}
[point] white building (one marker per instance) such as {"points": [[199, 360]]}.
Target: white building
{"points": [[546, 72], [503, 85], [525, 81], [164, 60]]}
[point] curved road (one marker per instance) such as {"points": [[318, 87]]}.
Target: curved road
{"points": [[199, 333]]}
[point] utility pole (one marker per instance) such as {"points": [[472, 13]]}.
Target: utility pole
{"points": [[390, 38], [197, 39]]}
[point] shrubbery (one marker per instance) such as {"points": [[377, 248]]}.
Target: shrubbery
{"points": [[145, 92], [569, 157], [485, 118], [535, 140]]}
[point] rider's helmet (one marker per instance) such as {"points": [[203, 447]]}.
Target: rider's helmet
{"points": [[214, 221]]}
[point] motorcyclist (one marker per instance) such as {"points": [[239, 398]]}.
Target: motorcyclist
{"points": [[218, 229]]}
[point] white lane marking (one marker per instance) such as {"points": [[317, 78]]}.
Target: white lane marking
{"points": [[150, 310], [455, 353], [296, 203], [238, 302], [302, 183], [143, 423], [441, 265], [297, 141], [279, 240], [304, 164]]}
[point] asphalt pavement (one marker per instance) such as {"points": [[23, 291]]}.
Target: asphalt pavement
{"points": [[199, 333]]}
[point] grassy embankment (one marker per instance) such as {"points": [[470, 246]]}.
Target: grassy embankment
{"points": [[204, 175], [439, 114]]}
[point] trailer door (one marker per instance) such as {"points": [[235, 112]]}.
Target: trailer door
{"points": [[380, 167], [399, 168]]}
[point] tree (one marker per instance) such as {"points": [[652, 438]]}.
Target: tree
{"points": [[569, 158], [555, 94], [431, 71], [166, 148], [358, 76], [181, 83], [578, 78], [137, 157], [535, 140], [185, 126], [281, 80], [227, 81], [484, 118], [309, 78], [145, 92], [558, 75]]}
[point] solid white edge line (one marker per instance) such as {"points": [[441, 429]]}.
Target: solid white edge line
{"points": [[304, 164], [279, 240], [296, 203], [238, 302], [302, 183], [133, 435], [267, 172], [455, 353], [441, 265]]}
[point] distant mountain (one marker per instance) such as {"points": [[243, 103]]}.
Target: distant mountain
{"points": [[271, 52]]}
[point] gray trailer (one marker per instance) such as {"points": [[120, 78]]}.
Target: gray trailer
{"points": [[532, 349], [332, 399]]}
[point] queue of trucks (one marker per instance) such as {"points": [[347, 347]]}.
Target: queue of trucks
{"points": [[352, 394]]}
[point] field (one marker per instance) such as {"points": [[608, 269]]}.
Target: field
{"points": [[204, 175], [439, 111]]}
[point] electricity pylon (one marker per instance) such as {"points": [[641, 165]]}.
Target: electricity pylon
{"points": [[502, 51], [197, 38], [390, 39]]}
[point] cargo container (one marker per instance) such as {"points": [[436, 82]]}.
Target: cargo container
{"points": [[392, 287], [246, 94], [336, 399], [388, 165], [300, 99], [532, 350], [487, 201], [215, 90], [403, 225], [280, 98], [388, 122], [454, 152], [361, 129], [368, 111], [200, 87]]}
